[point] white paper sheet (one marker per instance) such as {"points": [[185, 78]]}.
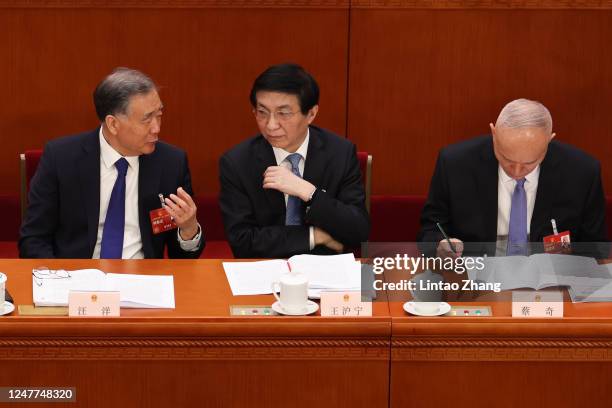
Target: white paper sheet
{"points": [[337, 272], [136, 291], [254, 278], [143, 291], [537, 271]]}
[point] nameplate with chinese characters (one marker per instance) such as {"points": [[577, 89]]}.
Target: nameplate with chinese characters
{"points": [[93, 304], [344, 304], [537, 303]]}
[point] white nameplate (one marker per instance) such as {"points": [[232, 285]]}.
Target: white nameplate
{"points": [[93, 304], [539, 304], [344, 304]]}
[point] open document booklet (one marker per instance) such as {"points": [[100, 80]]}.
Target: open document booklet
{"points": [[587, 281], [136, 291], [324, 273]]}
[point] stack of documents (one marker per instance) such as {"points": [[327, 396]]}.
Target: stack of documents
{"points": [[136, 291], [596, 289], [586, 280], [333, 272]]}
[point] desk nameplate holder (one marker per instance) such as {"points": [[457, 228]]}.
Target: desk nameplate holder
{"points": [[93, 304], [530, 303], [344, 304]]}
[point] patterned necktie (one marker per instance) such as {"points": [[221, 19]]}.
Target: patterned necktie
{"points": [[294, 204], [114, 224], [517, 229]]}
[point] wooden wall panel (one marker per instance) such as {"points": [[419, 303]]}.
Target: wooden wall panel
{"points": [[422, 73], [421, 78], [205, 58]]}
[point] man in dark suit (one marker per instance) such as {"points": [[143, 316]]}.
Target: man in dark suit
{"points": [[294, 188], [506, 188], [92, 193]]}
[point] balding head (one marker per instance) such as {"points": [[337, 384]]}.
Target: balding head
{"points": [[521, 136]]}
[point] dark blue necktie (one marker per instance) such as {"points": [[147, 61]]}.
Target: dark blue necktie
{"points": [[114, 224], [517, 228], [294, 204]]}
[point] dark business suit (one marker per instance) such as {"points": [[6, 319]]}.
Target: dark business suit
{"points": [[463, 194], [254, 217], [64, 199]]}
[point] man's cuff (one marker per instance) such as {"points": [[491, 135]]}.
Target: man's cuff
{"points": [[190, 245], [311, 243]]}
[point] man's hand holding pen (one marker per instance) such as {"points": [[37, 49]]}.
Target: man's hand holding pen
{"points": [[448, 247], [445, 250], [183, 211]]}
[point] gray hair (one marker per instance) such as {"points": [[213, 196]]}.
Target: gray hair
{"points": [[522, 113], [113, 94]]}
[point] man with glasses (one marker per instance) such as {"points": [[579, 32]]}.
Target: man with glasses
{"points": [[294, 188]]}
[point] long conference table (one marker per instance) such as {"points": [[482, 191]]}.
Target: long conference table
{"points": [[198, 354]]}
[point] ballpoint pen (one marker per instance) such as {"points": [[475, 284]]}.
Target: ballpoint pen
{"points": [[554, 226], [452, 247]]}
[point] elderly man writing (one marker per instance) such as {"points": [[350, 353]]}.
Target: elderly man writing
{"points": [[505, 188]]}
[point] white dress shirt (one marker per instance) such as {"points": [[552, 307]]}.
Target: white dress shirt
{"points": [[505, 188], [281, 160], [132, 241]]}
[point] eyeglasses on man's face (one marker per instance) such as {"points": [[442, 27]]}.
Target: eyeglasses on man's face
{"points": [[282, 115]]}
